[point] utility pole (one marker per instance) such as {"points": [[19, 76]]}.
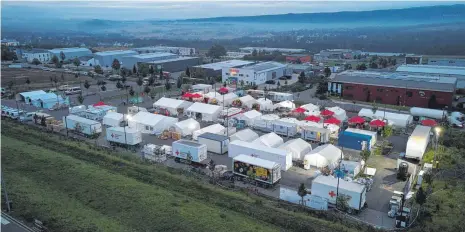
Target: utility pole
{"points": [[124, 128], [7, 200]]}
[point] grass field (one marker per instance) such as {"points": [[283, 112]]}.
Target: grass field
{"points": [[72, 186]]}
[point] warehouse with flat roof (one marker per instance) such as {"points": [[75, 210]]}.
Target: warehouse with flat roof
{"points": [[105, 59], [177, 64], [70, 53], [394, 88], [266, 49], [435, 70], [255, 73], [215, 69], [183, 51]]}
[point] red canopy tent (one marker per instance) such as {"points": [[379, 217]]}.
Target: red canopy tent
{"points": [[429, 122], [312, 118], [356, 120], [299, 110], [377, 123], [187, 95], [196, 95], [223, 90], [326, 113], [100, 103], [332, 120]]}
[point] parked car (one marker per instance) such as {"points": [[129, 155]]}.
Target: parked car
{"points": [[73, 90], [63, 87], [270, 82], [283, 78]]}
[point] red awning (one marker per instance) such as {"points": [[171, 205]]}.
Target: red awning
{"points": [[299, 110], [429, 122], [187, 95], [312, 118], [356, 119], [223, 90], [332, 120], [196, 95], [327, 113], [100, 103], [377, 123]]}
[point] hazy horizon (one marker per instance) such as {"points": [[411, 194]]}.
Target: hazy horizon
{"points": [[178, 9]]}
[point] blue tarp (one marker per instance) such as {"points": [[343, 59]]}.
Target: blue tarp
{"points": [[353, 140]]}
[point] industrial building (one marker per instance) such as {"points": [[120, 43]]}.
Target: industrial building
{"points": [[236, 55], [446, 61], [394, 88], [105, 59], [70, 53], [298, 58], [183, 51], [215, 69], [40, 54], [167, 61], [435, 70], [265, 49], [131, 60], [336, 54], [9, 42], [255, 73]]}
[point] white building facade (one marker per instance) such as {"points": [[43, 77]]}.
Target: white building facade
{"points": [[254, 74], [42, 55]]}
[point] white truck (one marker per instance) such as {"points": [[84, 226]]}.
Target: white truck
{"points": [[327, 188], [124, 136], [418, 142], [456, 119], [190, 152], [82, 125], [215, 143], [262, 172], [280, 156]]}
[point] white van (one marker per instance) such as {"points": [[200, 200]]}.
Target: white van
{"points": [[73, 90], [30, 116]]}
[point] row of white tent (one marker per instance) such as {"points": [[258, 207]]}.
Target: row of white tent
{"points": [[393, 119]]}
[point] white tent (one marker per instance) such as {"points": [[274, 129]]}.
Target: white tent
{"points": [[113, 119], [204, 112], [333, 128], [151, 123], [269, 140], [171, 105], [395, 119], [215, 129], [339, 113], [249, 117], [265, 104], [367, 113], [298, 148], [245, 135], [322, 156], [310, 107], [305, 123], [247, 101], [187, 127], [212, 95], [285, 104], [265, 122], [227, 98]]}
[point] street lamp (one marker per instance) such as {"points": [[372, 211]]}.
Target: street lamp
{"points": [[437, 131]]}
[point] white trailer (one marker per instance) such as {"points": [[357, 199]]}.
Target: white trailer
{"points": [[189, 152], [265, 122], [327, 187], [284, 127], [263, 172], [123, 135], [418, 142], [215, 143], [315, 134], [82, 125], [283, 157], [113, 119], [454, 118]]}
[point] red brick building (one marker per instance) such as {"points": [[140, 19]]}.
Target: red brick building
{"points": [[298, 58], [394, 88]]}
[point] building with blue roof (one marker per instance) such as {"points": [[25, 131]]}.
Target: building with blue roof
{"points": [[70, 53], [105, 59]]}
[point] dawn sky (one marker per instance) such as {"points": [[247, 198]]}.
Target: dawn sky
{"points": [[140, 10]]}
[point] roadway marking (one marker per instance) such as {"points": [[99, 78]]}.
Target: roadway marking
{"points": [[4, 221]]}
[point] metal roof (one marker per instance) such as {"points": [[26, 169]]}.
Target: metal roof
{"points": [[204, 108], [116, 52], [36, 50], [432, 69], [212, 136], [153, 55], [189, 143], [264, 66], [224, 64], [398, 80], [168, 59], [331, 181], [55, 50]]}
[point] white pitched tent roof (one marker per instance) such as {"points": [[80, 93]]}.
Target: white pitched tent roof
{"points": [[245, 135], [215, 95], [187, 126], [247, 98], [147, 118], [298, 147], [269, 140], [203, 108], [326, 155], [366, 113], [339, 113], [285, 104], [252, 114], [269, 117], [265, 104], [228, 96], [310, 107], [215, 129], [165, 102]]}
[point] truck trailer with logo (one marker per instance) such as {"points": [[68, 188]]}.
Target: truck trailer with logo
{"points": [[190, 152], [123, 136], [259, 171]]}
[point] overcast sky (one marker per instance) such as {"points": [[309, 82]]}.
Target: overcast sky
{"points": [[178, 9]]}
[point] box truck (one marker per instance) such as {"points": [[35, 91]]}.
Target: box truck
{"points": [[418, 142], [82, 125], [190, 152], [282, 157], [455, 118], [215, 143], [262, 172], [123, 135], [327, 187]]}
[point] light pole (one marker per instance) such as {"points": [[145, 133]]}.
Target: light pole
{"points": [[338, 174], [437, 131]]}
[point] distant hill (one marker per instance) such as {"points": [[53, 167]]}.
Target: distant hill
{"points": [[433, 14]]}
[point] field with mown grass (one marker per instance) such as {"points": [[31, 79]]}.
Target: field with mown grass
{"points": [[73, 186]]}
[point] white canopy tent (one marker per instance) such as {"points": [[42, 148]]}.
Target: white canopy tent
{"points": [[366, 113], [245, 135], [285, 104], [339, 113], [270, 140], [212, 95], [311, 109], [394, 119], [298, 148], [171, 105], [204, 112], [322, 156], [227, 99], [265, 104], [113, 119], [187, 127], [249, 117], [247, 101], [151, 123], [215, 129]]}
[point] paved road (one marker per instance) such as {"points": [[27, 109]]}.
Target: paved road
{"points": [[9, 224]]}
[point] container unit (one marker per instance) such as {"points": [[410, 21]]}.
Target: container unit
{"points": [[264, 172], [189, 152], [283, 157], [285, 128], [315, 134], [265, 122], [354, 141], [373, 134], [123, 135], [418, 142], [215, 143], [327, 187], [215, 129], [113, 119], [82, 125]]}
